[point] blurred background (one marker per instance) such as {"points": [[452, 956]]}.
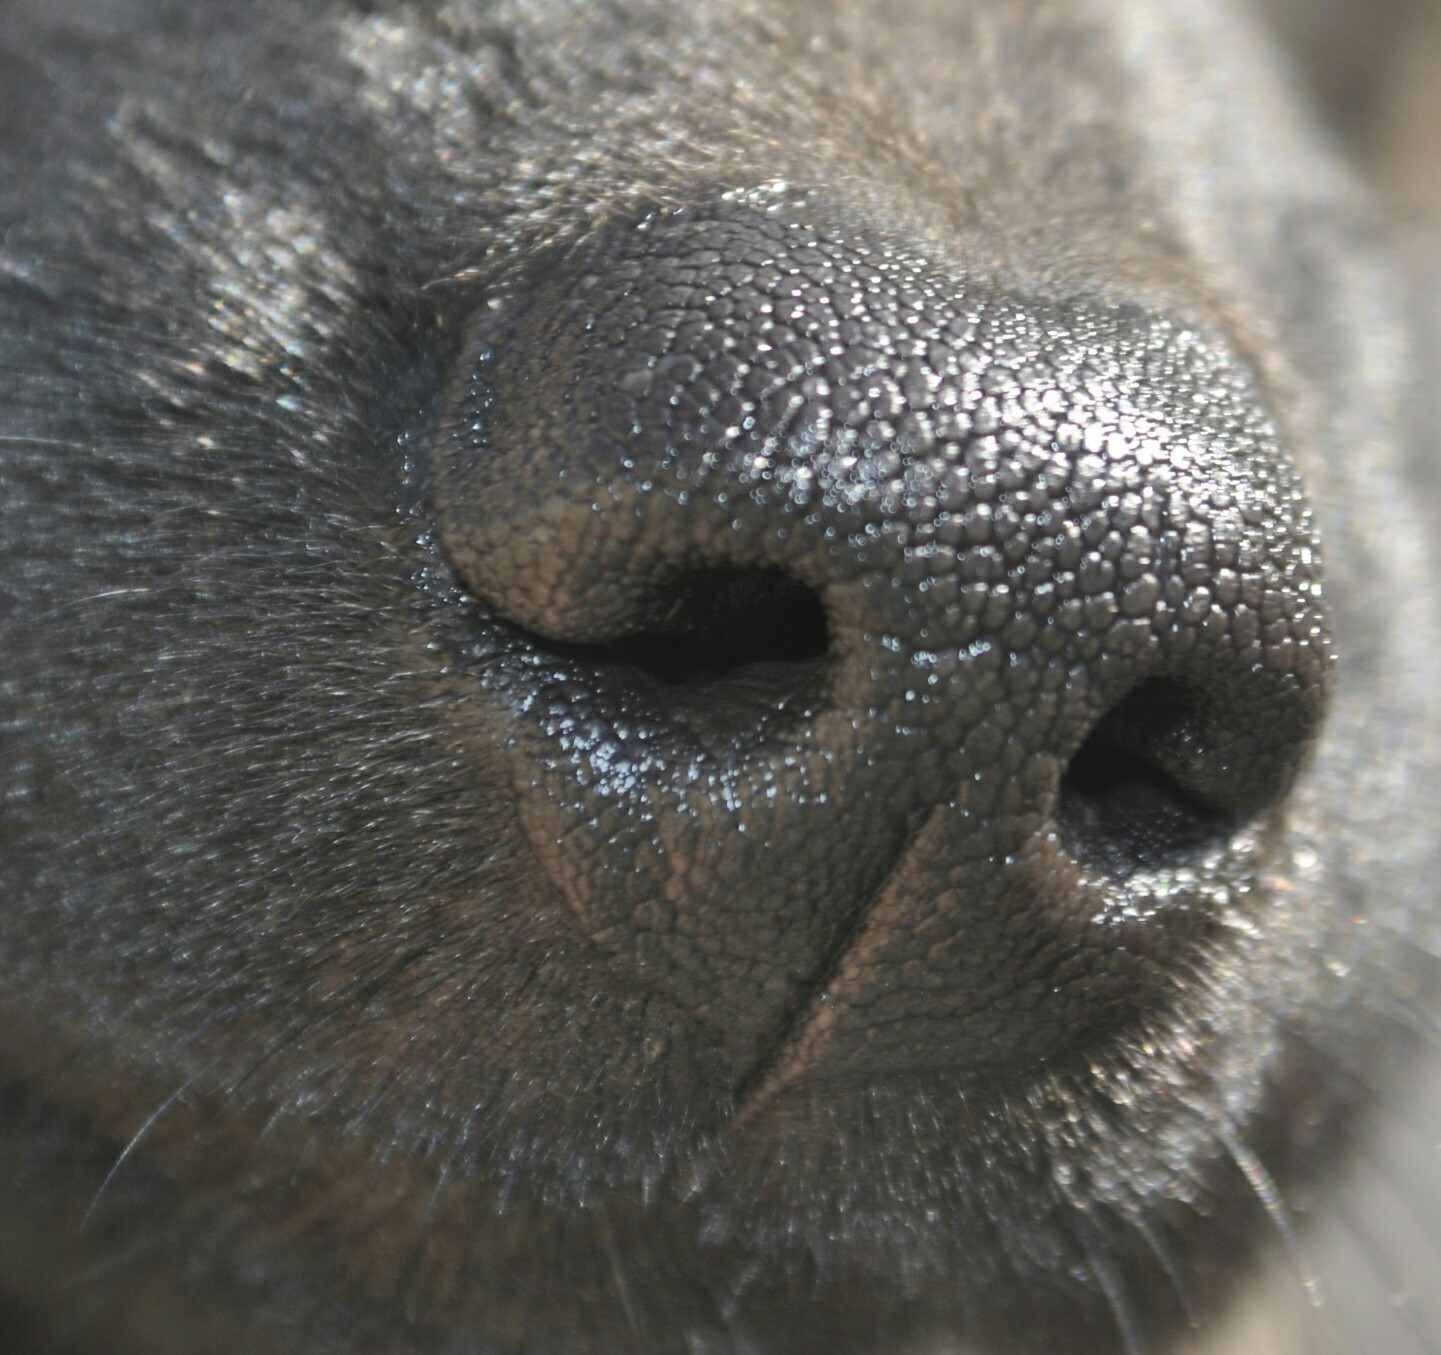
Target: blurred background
{"points": [[1374, 67]]}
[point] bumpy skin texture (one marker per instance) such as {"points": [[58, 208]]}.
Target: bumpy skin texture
{"points": [[742, 677]]}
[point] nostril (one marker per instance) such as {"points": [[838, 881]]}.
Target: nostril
{"points": [[718, 625], [1120, 808]]}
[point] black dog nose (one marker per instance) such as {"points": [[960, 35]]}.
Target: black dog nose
{"points": [[904, 671]]}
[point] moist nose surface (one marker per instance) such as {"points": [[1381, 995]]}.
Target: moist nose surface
{"points": [[899, 671]]}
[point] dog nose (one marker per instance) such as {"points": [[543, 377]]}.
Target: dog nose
{"points": [[901, 671]]}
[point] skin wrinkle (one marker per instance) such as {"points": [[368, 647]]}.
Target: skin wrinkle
{"points": [[399, 955]]}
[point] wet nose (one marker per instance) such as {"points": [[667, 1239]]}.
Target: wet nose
{"points": [[899, 670]]}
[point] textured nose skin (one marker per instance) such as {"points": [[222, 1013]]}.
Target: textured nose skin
{"points": [[906, 672]]}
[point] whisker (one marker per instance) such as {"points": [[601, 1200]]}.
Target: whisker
{"points": [[622, 1287], [1264, 1188], [423, 1232], [138, 1137], [1167, 1262], [1133, 1342], [138, 1249], [26, 440], [1321, 1318]]}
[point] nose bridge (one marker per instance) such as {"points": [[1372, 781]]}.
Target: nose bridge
{"points": [[1069, 585]]}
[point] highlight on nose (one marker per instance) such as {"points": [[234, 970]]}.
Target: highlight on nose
{"points": [[902, 666]]}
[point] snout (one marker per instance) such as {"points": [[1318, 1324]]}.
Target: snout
{"points": [[901, 672]]}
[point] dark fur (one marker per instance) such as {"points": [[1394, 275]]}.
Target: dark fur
{"points": [[317, 1035]]}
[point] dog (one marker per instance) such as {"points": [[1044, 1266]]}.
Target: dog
{"points": [[746, 677]]}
